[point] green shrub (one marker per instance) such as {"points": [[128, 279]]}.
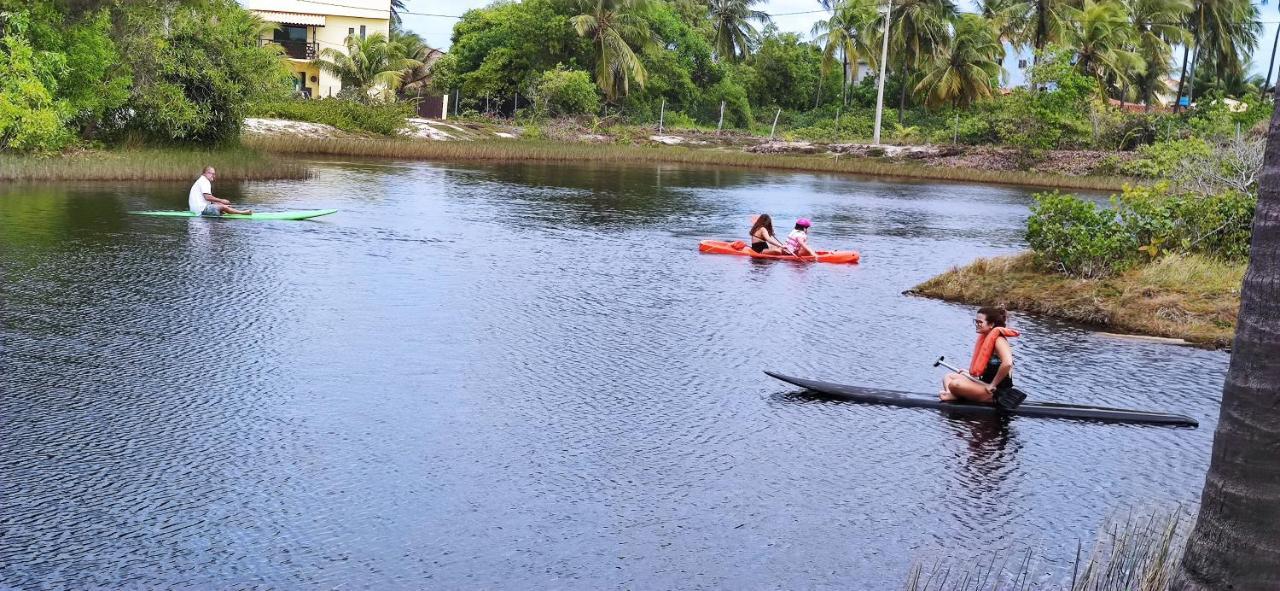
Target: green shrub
{"points": [[1078, 238], [1162, 159], [384, 119], [1215, 225], [30, 119], [562, 92]]}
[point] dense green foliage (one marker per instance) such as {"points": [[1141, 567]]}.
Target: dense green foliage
{"points": [[150, 69], [381, 118], [1079, 238], [566, 92]]}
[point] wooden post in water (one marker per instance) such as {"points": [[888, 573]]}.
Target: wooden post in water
{"points": [[775, 123], [720, 125], [662, 115]]}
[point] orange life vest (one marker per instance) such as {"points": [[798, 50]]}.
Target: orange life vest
{"points": [[985, 346]]}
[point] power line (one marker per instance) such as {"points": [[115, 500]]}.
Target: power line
{"points": [[367, 8]]}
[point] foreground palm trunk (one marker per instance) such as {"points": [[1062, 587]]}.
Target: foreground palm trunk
{"points": [[1236, 541]]}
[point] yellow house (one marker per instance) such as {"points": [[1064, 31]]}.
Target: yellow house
{"points": [[307, 27]]}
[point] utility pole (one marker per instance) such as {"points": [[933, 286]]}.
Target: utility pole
{"points": [[884, 59]]}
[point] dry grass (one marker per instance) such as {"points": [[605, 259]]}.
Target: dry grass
{"points": [[1187, 297], [548, 151], [148, 165], [1137, 554]]}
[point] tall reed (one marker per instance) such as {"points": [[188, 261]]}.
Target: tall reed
{"points": [[1136, 554], [149, 165], [546, 151]]}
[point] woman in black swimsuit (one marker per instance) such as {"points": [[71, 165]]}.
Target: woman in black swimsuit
{"points": [[762, 239]]}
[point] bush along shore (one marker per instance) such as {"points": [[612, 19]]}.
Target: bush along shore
{"points": [[1162, 260]]}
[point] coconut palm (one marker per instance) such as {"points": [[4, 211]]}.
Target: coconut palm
{"points": [[963, 72], [397, 8], [850, 34], [1010, 20], [1236, 540], [1103, 37], [1224, 33], [920, 31], [1157, 29], [731, 21], [617, 32], [371, 68], [415, 78]]}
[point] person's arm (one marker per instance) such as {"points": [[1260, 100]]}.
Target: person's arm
{"points": [[211, 199], [1006, 363], [771, 239]]}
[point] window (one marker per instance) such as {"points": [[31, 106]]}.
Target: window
{"points": [[290, 33], [351, 32], [362, 31]]}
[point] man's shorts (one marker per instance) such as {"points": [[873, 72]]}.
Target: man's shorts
{"points": [[211, 210]]}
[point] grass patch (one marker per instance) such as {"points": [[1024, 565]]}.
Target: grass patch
{"points": [[148, 165], [1190, 297], [1136, 554], [547, 151]]}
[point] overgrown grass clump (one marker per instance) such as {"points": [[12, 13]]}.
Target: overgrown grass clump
{"points": [[383, 119], [1136, 554], [148, 165], [1192, 297], [546, 151]]}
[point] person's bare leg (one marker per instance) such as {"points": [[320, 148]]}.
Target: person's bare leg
{"points": [[945, 394], [229, 209], [970, 391]]}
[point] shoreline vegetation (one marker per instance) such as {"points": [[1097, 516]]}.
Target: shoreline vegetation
{"points": [[1190, 297], [234, 164], [538, 150]]}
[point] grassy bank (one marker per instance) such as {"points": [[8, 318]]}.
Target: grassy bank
{"points": [[1187, 297], [148, 165], [547, 151]]}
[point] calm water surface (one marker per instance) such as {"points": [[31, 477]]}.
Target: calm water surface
{"points": [[526, 376]]}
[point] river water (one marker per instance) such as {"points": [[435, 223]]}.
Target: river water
{"points": [[526, 376]]}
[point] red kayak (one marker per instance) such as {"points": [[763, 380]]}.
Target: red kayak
{"points": [[740, 248]]}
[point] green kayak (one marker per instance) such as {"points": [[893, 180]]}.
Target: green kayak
{"points": [[269, 215]]}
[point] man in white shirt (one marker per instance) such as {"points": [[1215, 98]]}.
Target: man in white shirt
{"points": [[200, 199]]}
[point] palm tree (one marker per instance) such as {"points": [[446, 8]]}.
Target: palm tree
{"points": [[963, 72], [1010, 19], [397, 8], [1155, 23], [1223, 33], [415, 78], [1236, 540], [615, 27], [919, 33], [371, 67], [850, 33], [1102, 37], [733, 31]]}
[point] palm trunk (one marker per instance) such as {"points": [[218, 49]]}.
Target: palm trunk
{"points": [[1182, 79], [1272, 64], [1236, 540], [902, 96], [1191, 85], [817, 94]]}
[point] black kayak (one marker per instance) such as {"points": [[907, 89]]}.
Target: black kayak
{"points": [[1026, 409]]}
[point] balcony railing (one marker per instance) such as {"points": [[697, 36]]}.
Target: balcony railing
{"points": [[298, 50]]}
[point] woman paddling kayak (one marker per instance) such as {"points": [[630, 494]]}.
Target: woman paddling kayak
{"points": [[763, 240], [992, 360]]}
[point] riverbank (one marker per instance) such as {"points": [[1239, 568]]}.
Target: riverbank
{"points": [[1185, 297], [538, 150], [148, 165]]}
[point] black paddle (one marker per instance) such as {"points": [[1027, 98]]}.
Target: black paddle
{"points": [[1004, 398]]}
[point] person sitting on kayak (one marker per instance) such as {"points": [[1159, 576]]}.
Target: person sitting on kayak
{"points": [[200, 199], [992, 360], [798, 240], [763, 239]]}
